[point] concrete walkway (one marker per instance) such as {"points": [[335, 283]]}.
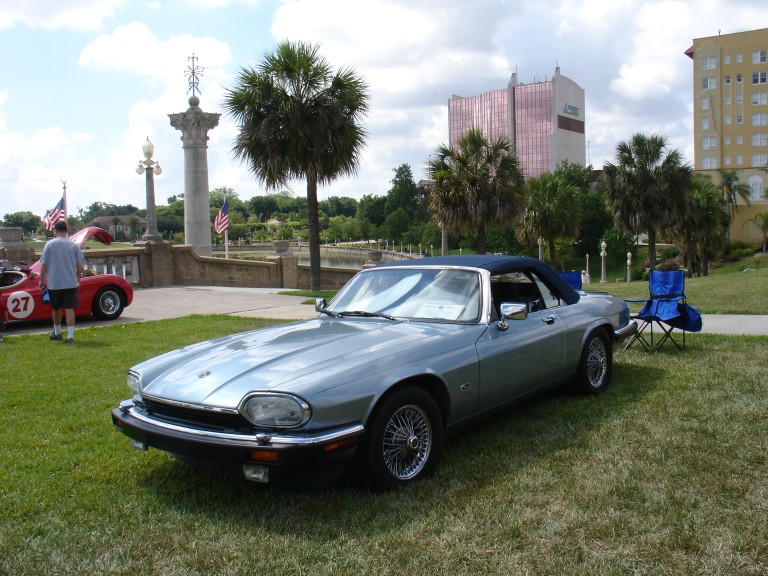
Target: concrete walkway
{"points": [[177, 301]]}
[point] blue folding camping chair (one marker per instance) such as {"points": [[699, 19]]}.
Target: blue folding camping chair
{"points": [[573, 279], [666, 307]]}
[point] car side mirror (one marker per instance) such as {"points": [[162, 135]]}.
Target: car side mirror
{"points": [[511, 311], [319, 304]]}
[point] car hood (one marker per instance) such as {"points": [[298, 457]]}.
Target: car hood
{"points": [[305, 358]]}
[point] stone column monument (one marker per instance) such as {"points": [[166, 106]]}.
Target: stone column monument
{"points": [[194, 125]]}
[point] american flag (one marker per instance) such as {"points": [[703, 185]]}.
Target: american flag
{"points": [[221, 223], [55, 215]]}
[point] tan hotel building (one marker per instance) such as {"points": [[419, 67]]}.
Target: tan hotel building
{"points": [[730, 113]]}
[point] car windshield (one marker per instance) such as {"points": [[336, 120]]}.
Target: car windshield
{"points": [[451, 295]]}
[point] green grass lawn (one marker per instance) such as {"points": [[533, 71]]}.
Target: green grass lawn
{"points": [[736, 288], [665, 473]]}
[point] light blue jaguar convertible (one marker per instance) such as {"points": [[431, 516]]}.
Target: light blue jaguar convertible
{"points": [[403, 355]]}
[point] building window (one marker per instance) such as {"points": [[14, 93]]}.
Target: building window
{"points": [[758, 56], [727, 59], [759, 160], [727, 120], [759, 78], [739, 160], [739, 119], [756, 188], [759, 98], [727, 140], [739, 58], [709, 162], [727, 99], [759, 139], [727, 78], [739, 98], [710, 62], [739, 140], [709, 142], [705, 123], [705, 103], [738, 78], [760, 119], [727, 160], [708, 83]]}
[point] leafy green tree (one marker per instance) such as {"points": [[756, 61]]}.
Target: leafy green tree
{"points": [[647, 187], [477, 184], [26, 220], [263, 207], [299, 119], [370, 209], [339, 206], [404, 191], [552, 212], [397, 224]]}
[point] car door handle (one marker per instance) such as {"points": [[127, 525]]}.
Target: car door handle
{"points": [[549, 319]]}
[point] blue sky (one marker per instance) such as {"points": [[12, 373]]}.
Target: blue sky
{"points": [[84, 82]]}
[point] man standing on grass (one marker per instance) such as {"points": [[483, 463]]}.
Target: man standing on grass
{"points": [[62, 263]]}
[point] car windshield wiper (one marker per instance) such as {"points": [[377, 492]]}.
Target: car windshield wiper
{"points": [[329, 312], [365, 314]]}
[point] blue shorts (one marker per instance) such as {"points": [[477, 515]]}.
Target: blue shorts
{"points": [[66, 299]]}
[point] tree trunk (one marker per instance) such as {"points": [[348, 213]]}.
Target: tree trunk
{"points": [[552, 253], [313, 230], [652, 248], [481, 242], [443, 240], [705, 263]]}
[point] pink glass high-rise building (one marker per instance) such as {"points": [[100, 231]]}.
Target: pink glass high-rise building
{"points": [[544, 121]]}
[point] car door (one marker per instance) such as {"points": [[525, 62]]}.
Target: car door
{"points": [[528, 354]]}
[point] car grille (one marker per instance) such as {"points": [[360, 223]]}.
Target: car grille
{"points": [[196, 417]]}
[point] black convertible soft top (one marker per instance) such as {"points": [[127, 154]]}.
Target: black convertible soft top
{"points": [[498, 264]]}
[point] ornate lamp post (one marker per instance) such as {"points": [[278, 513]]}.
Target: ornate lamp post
{"points": [[150, 167], [629, 267], [603, 254]]}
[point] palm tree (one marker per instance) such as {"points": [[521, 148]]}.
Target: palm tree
{"points": [[732, 190], [299, 119], [552, 212], [646, 187], [476, 184], [704, 224], [761, 222]]}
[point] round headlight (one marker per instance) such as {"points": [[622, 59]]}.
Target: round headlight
{"points": [[278, 410], [134, 383]]}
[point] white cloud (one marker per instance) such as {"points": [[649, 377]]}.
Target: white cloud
{"points": [[72, 14]]}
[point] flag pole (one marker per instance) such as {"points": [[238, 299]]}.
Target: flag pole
{"points": [[64, 194], [226, 235]]}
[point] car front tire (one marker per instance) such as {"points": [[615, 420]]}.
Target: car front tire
{"points": [[596, 364], [108, 303], [404, 441]]}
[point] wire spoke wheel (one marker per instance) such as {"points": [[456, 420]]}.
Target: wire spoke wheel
{"points": [[407, 442], [597, 362]]}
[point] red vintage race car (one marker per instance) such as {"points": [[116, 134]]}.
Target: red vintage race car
{"points": [[103, 295]]}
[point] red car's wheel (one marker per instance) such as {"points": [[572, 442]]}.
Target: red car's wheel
{"points": [[108, 303]]}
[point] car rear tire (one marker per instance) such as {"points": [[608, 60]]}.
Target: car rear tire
{"points": [[108, 303], [596, 364], [404, 441]]}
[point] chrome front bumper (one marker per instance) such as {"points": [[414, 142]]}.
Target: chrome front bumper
{"points": [[623, 333]]}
